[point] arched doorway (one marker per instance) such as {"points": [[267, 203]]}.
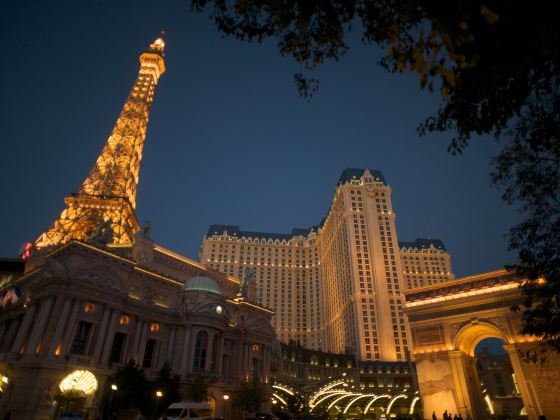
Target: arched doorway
{"points": [[499, 387], [451, 379], [74, 393], [447, 321]]}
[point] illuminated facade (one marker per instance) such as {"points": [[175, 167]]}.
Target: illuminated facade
{"points": [[337, 286], [447, 321], [368, 387], [89, 308], [92, 296], [425, 262], [105, 203]]}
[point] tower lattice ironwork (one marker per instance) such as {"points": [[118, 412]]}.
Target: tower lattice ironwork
{"points": [[104, 205]]}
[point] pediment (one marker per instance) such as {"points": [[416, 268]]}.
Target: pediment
{"points": [[100, 276]]}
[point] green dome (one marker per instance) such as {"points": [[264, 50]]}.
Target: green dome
{"points": [[202, 283]]}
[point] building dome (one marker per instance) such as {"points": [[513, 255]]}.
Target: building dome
{"points": [[202, 283]]}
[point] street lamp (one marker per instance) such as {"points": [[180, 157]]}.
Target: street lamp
{"points": [[224, 409], [159, 394], [109, 406]]}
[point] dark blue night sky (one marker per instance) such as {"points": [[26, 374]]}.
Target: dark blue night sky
{"points": [[230, 141]]}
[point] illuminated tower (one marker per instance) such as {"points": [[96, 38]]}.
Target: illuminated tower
{"points": [[105, 203], [337, 286]]}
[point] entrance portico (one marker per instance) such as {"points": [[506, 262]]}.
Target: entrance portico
{"points": [[448, 320]]}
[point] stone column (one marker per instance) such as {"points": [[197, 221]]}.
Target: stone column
{"points": [[142, 342], [2, 331], [529, 399], [39, 327], [266, 363], [246, 360], [171, 344], [136, 342], [10, 335], [190, 348], [61, 322], [24, 329], [101, 335], [185, 350], [68, 335], [467, 388], [220, 355], [109, 338]]}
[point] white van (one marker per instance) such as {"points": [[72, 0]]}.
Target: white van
{"points": [[188, 410]]}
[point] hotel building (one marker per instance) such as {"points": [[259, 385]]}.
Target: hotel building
{"points": [[336, 286]]}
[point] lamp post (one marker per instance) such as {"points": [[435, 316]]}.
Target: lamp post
{"points": [[159, 395], [224, 411], [109, 407]]}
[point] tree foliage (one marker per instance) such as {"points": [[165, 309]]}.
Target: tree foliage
{"points": [[197, 388], [135, 391], [485, 57], [168, 384], [529, 170], [495, 66], [249, 396], [131, 386]]}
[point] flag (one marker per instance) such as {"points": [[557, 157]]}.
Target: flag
{"points": [[182, 309], [12, 295], [6, 299]]}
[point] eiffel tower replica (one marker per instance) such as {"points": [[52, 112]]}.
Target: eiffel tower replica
{"points": [[104, 205]]}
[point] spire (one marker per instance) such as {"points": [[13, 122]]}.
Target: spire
{"points": [[107, 197]]}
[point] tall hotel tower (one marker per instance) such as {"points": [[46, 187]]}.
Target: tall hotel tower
{"points": [[337, 286]]}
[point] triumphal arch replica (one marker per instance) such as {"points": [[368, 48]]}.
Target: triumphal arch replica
{"points": [[448, 320]]}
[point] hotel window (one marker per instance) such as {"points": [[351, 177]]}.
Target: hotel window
{"points": [[149, 353], [200, 351], [117, 348], [81, 338]]}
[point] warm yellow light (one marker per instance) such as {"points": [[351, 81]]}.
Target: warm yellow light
{"points": [[283, 389], [459, 295], [159, 394], [226, 397], [279, 398], [5, 379], [114, 387], [79, 380]]}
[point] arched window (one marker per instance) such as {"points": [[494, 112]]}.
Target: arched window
{"points": [[200, 351], [214, 363]]}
